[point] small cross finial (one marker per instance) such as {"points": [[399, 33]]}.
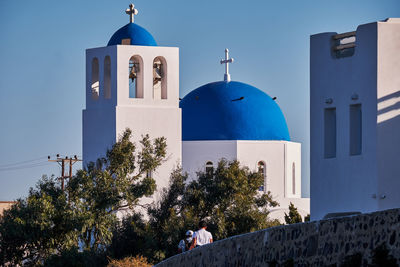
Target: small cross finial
{"points": [[131, 11], [226, 61]]}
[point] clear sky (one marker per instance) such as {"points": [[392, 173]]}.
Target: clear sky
{"points": [[42, 63]]}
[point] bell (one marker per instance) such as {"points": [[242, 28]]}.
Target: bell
{"points": [[134, 69], [157, 72]]}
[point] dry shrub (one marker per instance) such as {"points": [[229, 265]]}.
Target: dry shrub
{"points": [[137, 261]]}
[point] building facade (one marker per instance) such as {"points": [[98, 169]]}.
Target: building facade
{"points": [[355, 123], [134, 83]]}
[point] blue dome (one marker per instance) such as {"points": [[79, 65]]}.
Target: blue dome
{"points": [[231, 111], [137, 34]]}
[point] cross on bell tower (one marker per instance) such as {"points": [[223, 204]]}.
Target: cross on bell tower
{"points": [[226, 61], [131, 11]]}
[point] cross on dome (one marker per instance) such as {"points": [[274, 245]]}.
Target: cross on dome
{"points": [[226, 61], [131, 11]]}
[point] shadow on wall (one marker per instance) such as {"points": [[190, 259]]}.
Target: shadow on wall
{"points": [[388, 157]]}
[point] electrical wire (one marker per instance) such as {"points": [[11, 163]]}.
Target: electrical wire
{"points": [[26, 166], [22, 162]]}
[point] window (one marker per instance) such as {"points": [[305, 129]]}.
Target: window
{"points": [[159, 78], [293, 178], [95, 86], [262, 171], [355, 129], [107, 77], [135, 77], [149, 174], [209, 168], [330, 132]]}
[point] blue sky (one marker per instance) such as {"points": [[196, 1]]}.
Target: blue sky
{"points": [[42, 63]]}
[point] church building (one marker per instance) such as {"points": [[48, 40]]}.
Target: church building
{"points": [[355, 119], [134, 83]]}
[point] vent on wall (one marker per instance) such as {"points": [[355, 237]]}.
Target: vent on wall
{"points": [[344, 44]]}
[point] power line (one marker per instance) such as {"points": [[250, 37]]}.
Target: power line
{"points": [[30, 163], [27, 166], [22, 162]]}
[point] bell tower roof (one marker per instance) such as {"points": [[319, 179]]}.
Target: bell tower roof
{"points": [[131, 33]]}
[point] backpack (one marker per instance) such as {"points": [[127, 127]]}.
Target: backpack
{"points": [[187, 244]]}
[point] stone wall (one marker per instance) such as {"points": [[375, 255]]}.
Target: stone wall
{"points": [[332, 242]]}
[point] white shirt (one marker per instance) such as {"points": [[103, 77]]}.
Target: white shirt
{"points": [[202, 237]]}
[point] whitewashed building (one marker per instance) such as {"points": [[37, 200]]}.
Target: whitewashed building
{"points": [[132, 82], [355, 122]]}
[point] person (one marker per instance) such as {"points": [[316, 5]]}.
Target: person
{"points": [[201, 236], [185, 244]]}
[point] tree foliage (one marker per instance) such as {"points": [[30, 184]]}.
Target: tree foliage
{"points": [[132, 236], [117, 181], [50, 220], [79, 226], [227, 198], [38, 226], [293, 216]]}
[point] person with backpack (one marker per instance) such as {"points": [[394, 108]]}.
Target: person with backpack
{"points": [[185, 244]]}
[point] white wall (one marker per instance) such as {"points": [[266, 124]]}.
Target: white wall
{"points": [[273, 154], [195, 154], [293, 156], [98, 122], [105, 119], [388, 128], [157, 122], [277, 155], [346, 182]]}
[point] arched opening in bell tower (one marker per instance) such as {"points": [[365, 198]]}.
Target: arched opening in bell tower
{"points": [[136, 77], [95, 85], [159, 78]]}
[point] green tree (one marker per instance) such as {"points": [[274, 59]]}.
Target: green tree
{"points": [[228, 198], [132, 236], [38, 226], [117, 181], [51, 221], [293, 216], [170, 218]]}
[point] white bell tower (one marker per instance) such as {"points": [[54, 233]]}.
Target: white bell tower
{"points": [[132, 83]]}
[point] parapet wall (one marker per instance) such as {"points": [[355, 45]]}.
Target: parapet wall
{"points": [[317, 243]]}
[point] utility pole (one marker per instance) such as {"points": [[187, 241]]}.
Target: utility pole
{"points": [[62, 162]]}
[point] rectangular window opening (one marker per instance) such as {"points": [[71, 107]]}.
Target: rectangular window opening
{"points": [[330, 133], [355, 130]]}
